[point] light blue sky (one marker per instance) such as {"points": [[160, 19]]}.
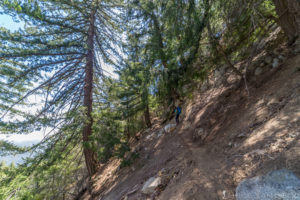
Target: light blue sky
{"points": [[7, 22]]}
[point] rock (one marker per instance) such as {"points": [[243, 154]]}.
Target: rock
{"points": [[261, 45], [150, 137], [257, 152], [199, 134], [241, 135], [204, 86], [151, 184], [220, 75], [275, 63], [292, 135], [276, 185], [297, 50], [268, 59], [282, 58], [262, 64], [224, 194], [258, 71], [169, 128], [217, 74], [223, 69], [160, 133], [219, 82]]}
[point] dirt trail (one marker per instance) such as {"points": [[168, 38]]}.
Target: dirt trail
{"points": [[244, 136], [248, 136]]}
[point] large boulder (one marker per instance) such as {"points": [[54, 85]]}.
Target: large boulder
{"points": [[169, 128], [276, 185], [268, 59], [150, 185]]}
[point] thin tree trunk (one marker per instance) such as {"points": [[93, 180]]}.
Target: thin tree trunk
{"points": [[90, 158], [128, 121], [147, 116], [288, 12], [145, 103]]}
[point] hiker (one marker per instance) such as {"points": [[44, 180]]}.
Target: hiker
{"points": [[177, 112]]}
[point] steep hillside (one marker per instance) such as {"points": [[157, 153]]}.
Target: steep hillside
{"points": [[227, 133]]}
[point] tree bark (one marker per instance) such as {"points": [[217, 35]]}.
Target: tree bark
{"points": [[90, 158], [147, 116], [128, 121], [289, 17], [145, 103]]}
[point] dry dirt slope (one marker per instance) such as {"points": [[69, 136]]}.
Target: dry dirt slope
{"points": [[246, 136]]}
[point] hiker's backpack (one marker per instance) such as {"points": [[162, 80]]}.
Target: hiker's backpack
{"points": [[178, 110]]}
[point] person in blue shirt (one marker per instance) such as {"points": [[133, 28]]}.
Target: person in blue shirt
{"points": [[177, 112]]}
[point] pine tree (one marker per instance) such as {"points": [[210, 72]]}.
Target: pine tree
{"points": [[136, 77], [58, 55], [171, 32]]}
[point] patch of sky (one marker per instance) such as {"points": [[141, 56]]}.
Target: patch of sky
{"points": [[16, 159], [10, 23]]}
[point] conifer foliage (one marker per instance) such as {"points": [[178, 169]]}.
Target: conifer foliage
{"points": [[170, 31], [58, 55]]}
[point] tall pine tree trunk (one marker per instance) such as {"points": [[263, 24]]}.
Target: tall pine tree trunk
{"points": [[145, 102], [147, 116], [90, 158], [289, 17]]}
